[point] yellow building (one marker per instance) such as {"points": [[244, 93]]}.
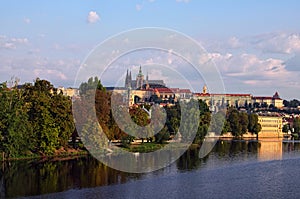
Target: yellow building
{"points": [[271, 125], [71, 92]]}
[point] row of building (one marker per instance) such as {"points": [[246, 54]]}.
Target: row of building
{"points": [[143, 89]]}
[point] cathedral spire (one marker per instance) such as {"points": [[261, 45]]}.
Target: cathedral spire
{"points": [[140, 79], [126, 79], [147, 77], [140, 71]]}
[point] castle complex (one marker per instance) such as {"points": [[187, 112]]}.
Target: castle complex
{"points": [[141, 89]]}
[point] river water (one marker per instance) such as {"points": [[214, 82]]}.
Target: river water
{"points": [[233, 169]]}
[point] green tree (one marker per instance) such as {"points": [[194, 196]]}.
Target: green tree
{"points": [[61, 112], [253, 126], [162, 136], [285, 128], [296, 125], [91, 84], [52, 127], [14, 127], [234, 120], [243, 122]]}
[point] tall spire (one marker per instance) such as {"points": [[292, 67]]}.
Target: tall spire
{"points": [[147, 82], [147, 77], [140, 79], [140, 71], [126, 79]]}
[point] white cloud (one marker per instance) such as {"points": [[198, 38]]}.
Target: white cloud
{"points": [[278, 43], [12, 43], [93, 17], [9, 45], [20, 40], [138, 7], [157, 74], [248, 71], [234, 42], [45, 73], [27, 20], [247, 65]]}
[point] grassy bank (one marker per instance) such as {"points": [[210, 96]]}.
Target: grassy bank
{"points": [[70, 154], [57, 156]]}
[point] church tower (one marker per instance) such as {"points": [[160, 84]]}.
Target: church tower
{"points": [[204, 90], [147, 82], [128, 80], [139, 79]]}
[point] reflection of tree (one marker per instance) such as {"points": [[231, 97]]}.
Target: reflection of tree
{"points": [[2, 179], [190, 160], [28, 178]]}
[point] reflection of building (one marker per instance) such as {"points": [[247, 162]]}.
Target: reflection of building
{"points": [[271, 125], [270, 149], [141, 82], [275, 100]]}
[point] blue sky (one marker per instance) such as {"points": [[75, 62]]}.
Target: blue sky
{"points": [[255, 44]]}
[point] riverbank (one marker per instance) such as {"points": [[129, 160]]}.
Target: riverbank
{"points": [[58, 155]]}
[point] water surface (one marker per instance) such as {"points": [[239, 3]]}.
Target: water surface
{"points": [[234, 169]]}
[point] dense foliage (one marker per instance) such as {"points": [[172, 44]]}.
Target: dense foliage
{"points": [[239, 123], [34, 119]]}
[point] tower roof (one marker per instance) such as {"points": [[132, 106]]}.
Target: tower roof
{"points": [[276, 95], [140, 70]]}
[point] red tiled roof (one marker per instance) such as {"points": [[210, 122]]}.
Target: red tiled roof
{"points": [[263, 98], [163, 90], [226, 95], [185, 91]]}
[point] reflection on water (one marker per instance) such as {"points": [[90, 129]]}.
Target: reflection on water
{"points": [[270, 149], [25, 178], [28, 178]]}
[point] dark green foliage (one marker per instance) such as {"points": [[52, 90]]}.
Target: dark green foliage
{"points": [[291, 104], [34, 119], [253, 125], [91, 84], [285, 128], [296, 125], [162, 136], [239, 123]]}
